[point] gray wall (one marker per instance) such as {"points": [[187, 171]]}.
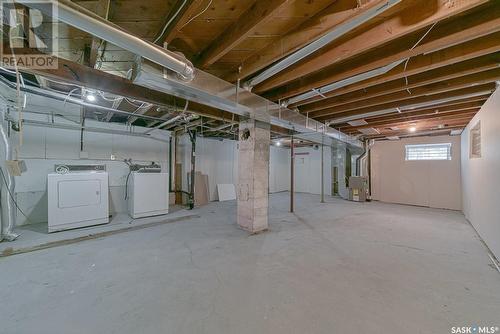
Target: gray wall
{"points": [[481, 176]]}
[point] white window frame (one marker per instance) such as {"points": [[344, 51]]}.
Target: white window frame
{"points": [[423, 152]]}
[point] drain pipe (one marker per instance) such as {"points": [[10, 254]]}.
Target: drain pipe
{"points": [[192, 137], [83, 19], [362, 157], [7, 189]]}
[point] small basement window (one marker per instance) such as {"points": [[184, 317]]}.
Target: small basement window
{"points": [[475, 141], [428, 152]]}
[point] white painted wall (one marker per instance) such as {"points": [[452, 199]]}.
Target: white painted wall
{"points": [[434, 184], [45, 147], [219, 160], [216, 158], [481, 176], [279, 170], [308, 170]]}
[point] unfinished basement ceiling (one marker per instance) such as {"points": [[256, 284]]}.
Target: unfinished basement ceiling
{"points": [[425, 64]]}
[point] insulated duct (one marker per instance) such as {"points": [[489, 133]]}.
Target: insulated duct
{"points": [[8, 185], [85, 20]]}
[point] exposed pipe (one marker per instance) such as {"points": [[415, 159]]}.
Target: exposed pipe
{"points": [[292, 175], [342, 83], [209, 90], [192, 136], [360, 158], [322, 172], [8, 189], [68, 99], [89, 129], [174, 119], [319, 43], [83, 19]]}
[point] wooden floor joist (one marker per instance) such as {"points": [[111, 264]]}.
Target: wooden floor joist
{"points": [[390, 30], [444, 48], [403, 94]]}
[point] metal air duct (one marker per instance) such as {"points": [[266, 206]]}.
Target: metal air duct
{"points": [[324, 40], [83, 19]]}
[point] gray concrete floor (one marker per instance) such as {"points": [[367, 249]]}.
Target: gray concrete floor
{"points": [[338, 267]]}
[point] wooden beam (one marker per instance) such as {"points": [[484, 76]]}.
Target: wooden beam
{"points": [[372, 88], [423, 127], [452, 33], [191, 8], [102, 9], [420, 112], [342, 105], [405, 120], [391, 29], [453, 54], [258, 13], [182, 10], [407, 102], [338, 12]]}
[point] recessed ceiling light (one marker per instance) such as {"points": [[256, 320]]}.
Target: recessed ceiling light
{"points": [[413, 129], [91, 98]]}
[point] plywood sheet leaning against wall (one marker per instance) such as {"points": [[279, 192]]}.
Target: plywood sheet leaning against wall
{"points": [[201, 191]]}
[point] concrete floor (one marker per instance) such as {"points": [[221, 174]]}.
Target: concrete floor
{"points": [[338, 267]]}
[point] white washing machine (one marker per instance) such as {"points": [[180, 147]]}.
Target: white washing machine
{"points": [[78, 198], [148, 194]]}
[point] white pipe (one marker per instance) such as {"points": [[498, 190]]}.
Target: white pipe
{"points": [[342, 83], [88, 21], [69, 99], [324, 40], [8, 189], [90, 129]]}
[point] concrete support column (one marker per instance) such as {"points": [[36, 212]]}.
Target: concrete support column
{"points": [[253, 175]]}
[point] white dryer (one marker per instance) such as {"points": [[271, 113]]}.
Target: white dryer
{"points": [[77, 198], [148, 194]]}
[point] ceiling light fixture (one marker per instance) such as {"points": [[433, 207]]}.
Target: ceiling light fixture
{"points": [[91, 98], [413, 129]]}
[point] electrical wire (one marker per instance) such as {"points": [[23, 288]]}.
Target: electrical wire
{"points": [[413, 47], [170, 21], [69, 95], [109, 99], [126, 185], [197, 15], [12, 196]]}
